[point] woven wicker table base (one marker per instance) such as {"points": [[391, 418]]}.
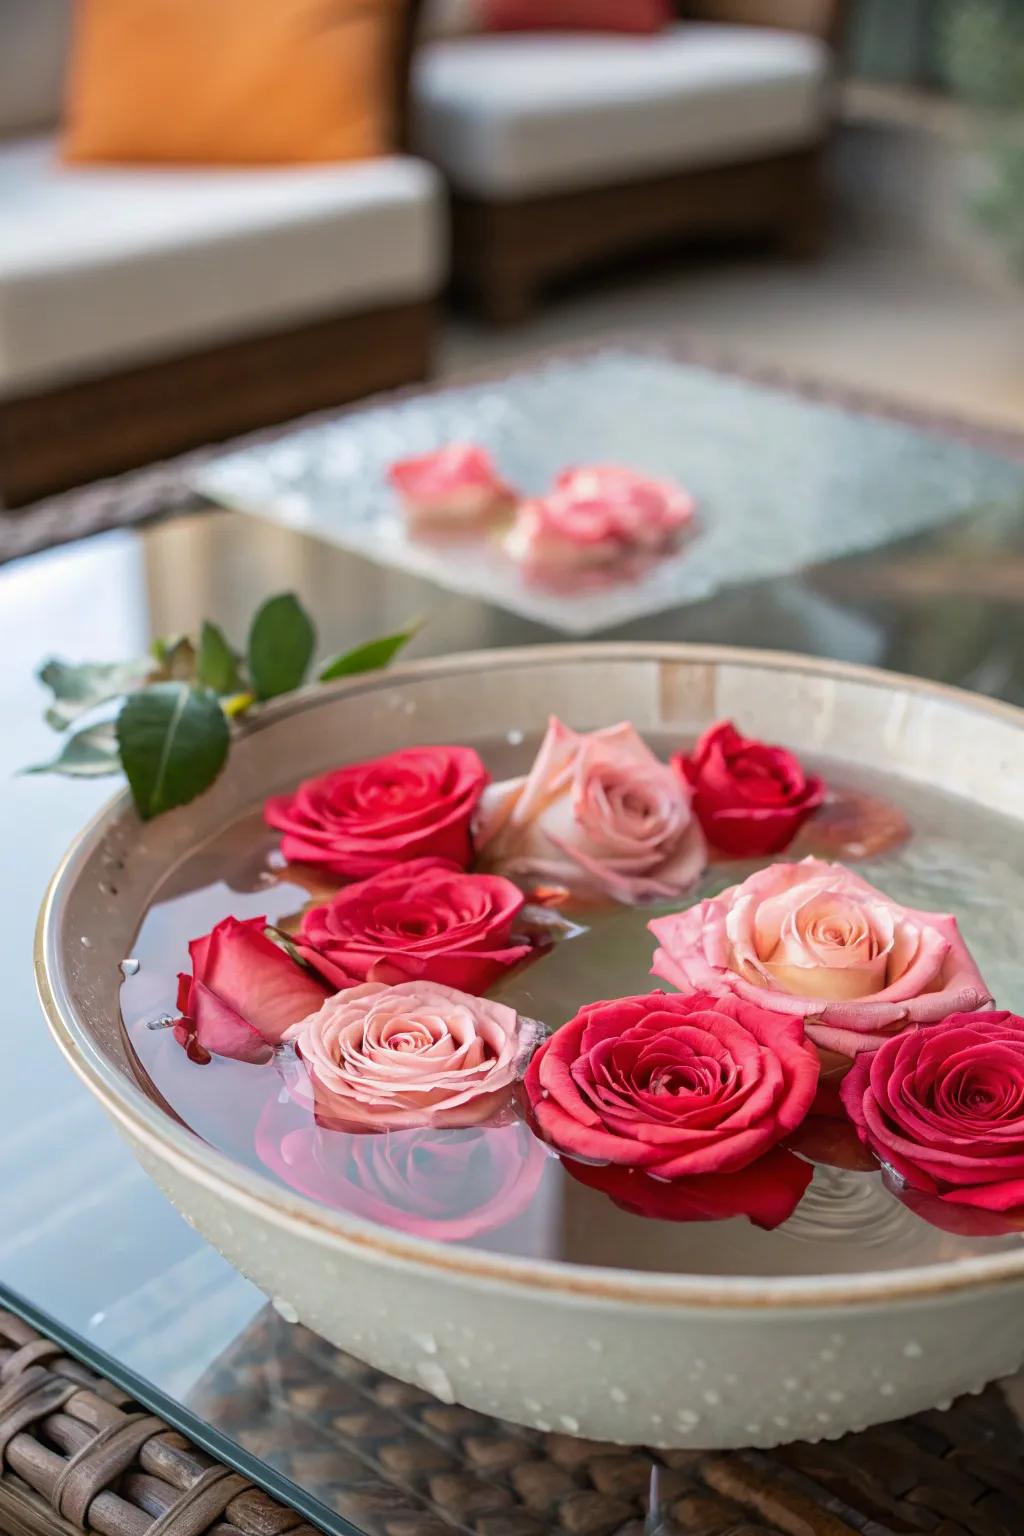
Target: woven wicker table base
{"points": [[78, 1455]]}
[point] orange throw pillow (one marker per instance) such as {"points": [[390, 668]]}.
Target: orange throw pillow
{"points": [[231, 82]]}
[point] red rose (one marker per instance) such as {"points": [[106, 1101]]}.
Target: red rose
{"points": [[663, 1087], [448, 1185], [943, 1107], [423, 919], [243, 994], [362, 819], [750, 798]]}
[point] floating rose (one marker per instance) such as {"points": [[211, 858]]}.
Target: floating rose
{"points": [[447, 1186], [380, 1058], [594, 516], [243, 995], [944, 1108], [597, 814], [643, 1091], [424, 919], [453, 487], [815, 941], [751, 798], [368, 816]]}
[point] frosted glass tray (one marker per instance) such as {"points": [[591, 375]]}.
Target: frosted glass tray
{"points": [[781, 482]]}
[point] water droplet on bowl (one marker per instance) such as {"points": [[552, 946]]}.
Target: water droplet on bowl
{"points": [[85, 943], [514, 738], [569, 1424], [426, 1342], [433, 1376], [285, 1310], [913, 1350], [131, 967], [617, 1395]]}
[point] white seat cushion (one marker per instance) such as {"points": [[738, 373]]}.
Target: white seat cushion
{"points": [[507, 116], [100, 267]]}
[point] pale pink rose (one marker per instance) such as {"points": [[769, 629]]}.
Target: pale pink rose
{"points": [[596, 516], [452, 487], [597, 814], [814, 939], [381, 1058]]}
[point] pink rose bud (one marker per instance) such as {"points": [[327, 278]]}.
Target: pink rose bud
{"points": [[455, 487], [816, 941], [597, 814], [244, 994]]}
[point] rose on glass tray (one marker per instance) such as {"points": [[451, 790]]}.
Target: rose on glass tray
{"points": [[816, 1019], [596, 517], [453, 488]]}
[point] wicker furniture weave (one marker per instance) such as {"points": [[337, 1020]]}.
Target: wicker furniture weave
{"points": [[78, 1455]]}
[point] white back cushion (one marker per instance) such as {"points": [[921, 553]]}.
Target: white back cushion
{"points": [[34, 37]]}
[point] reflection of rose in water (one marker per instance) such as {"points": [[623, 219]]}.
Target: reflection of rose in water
{"points": [[448, 1185]]}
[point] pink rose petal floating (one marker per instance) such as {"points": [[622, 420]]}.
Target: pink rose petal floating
{"points": [[596, 517], [598, 815], [816, 941], [454, 487], [383, 1058]]}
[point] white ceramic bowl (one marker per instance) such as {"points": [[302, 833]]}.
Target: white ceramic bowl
{"points": [[610, 1353]]}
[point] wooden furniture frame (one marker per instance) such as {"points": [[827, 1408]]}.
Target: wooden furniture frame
{"points": [[65, 434], [505, 250]]}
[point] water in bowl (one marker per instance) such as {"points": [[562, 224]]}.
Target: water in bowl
{"points": [[499, 1189]]}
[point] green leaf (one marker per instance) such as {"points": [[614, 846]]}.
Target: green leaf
{"points": [[88, 754], [77, 689], [281, 643], [371, 656], [175, 658], [217, 663], [174, 742]]}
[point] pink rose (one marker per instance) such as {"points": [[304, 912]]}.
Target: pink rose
{"points": [[645, 1091], [444, 1185], [425, 919], [596, 515], [750, 798], [380, 1058], [815, 941], [243, 995], [944, 1108], [454, 486], [597, 814], [364, 818]]}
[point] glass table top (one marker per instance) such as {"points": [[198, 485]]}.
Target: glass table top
{"points": [[88, 1247]]}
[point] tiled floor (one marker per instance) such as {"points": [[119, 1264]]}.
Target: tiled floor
{"points": [[906, 299]]}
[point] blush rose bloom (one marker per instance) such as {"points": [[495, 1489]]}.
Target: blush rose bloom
{"points": [[641, 1092], [595, 515], [454, 487], [368, 816], [751, 798], [427, 918], [243, 995], [382, 1058], [944, 1108], [815, 941], [443, 1185], [597, 814]]}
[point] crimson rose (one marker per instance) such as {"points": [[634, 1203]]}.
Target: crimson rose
{"points": [[367, 816], [944, 1108], [426, 918], [750, 798], [662, 1088], [243, 994]]}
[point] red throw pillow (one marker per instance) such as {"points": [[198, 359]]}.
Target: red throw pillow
{"points": [[643, 16]]}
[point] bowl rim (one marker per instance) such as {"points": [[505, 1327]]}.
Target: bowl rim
{"points": [[169, 1141]]}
